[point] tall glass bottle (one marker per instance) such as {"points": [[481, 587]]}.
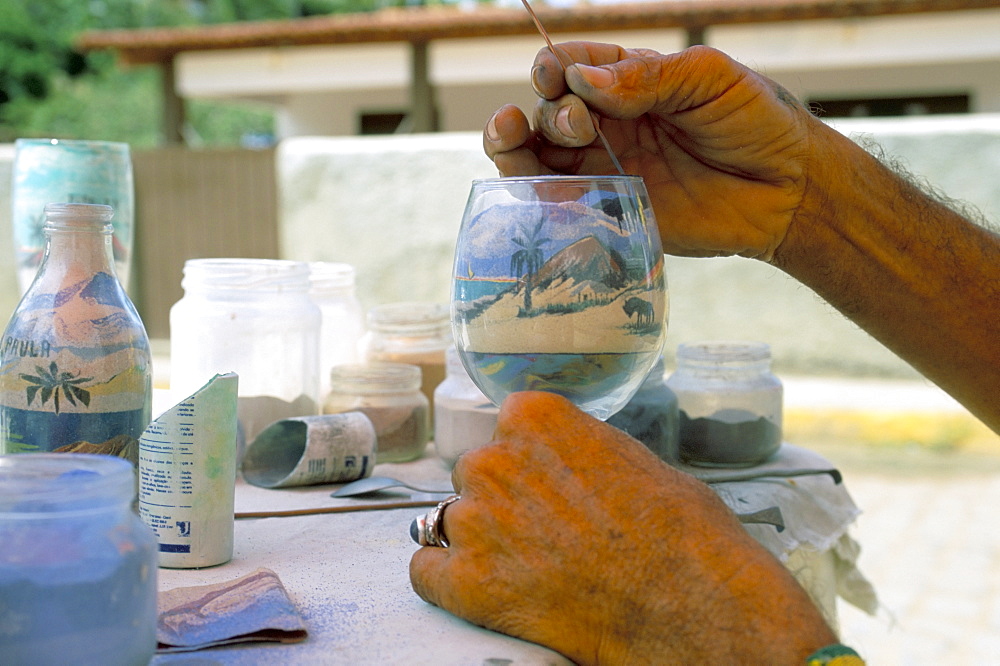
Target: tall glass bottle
{"points": [[75, 365]]}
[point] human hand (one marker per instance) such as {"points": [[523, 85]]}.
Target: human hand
{"points": [[571, 534], [723, 151]]}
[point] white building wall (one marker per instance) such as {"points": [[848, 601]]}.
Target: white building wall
{"points": [[324, 89]]}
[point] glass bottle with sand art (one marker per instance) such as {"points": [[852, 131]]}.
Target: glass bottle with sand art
{"points": [[559, 286], [76, 372]]}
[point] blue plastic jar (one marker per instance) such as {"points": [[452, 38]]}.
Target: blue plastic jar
{"points": [[77, 565]]}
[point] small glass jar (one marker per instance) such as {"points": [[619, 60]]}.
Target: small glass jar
{"points": [[252, 317], [412, 333], [464, 418], [77, 565], [730, 403], [651, 416], [389, 395], [331, 288]]}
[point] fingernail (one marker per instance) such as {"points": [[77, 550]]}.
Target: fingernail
{"points": [[491, 129], [562, 122], [598, 77], [535, 72]]}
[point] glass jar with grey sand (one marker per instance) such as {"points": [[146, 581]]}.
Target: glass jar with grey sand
{"points": [[730, 403]]}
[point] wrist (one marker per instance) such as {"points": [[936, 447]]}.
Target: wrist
{"points": [[832, 202], [727, 614]]}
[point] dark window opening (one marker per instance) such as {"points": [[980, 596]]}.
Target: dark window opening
{"points": [[889, 106], [380, 123]]}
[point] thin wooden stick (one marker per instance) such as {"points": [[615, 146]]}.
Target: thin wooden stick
{"points": [[552, 48], [381, 506]]}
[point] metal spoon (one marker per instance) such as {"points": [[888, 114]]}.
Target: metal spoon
{"points": [[373, 484], [769, 516]]}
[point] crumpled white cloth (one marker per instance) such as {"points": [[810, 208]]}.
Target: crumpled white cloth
{"points": [[817, 513]]}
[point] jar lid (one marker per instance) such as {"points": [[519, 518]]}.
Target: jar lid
{"points": [[375, 378], [724, 352], [410, 317], [278, 275], [324, 275]]}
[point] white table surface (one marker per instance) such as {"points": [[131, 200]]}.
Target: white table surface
{"points": [[347, 574]]}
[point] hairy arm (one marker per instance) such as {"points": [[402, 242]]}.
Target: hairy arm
{"points": [[915, 274]]}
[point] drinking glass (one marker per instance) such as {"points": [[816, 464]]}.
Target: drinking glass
{"points": [[559, 286], [69, 171]]}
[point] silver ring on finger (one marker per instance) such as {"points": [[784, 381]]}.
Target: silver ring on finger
{"points": [[428, 530]]}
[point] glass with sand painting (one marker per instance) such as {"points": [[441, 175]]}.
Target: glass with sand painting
{"points": [[558, 286]]}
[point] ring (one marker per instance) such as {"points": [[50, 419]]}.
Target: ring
{"points": [[427, 529]]}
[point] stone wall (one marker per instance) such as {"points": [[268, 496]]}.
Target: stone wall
{"points": [[391, 206]]}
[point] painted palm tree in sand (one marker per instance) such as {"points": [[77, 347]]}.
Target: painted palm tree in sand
{"points": [[526, 261], [48, 382]]}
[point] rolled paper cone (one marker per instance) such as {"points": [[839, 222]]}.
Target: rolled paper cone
{"points": [[310, 450]]}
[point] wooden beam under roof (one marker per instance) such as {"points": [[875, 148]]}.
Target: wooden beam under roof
{"points": [[425, 24], [419, 26]]}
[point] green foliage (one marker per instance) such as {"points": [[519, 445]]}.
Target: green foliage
{"points": [[221, 124], [49, 89], [108, 104]]}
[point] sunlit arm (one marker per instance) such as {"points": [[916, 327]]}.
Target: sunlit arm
{"points": [[916, 275]]}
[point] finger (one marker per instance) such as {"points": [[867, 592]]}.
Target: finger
{"points": [[520, 162], [646, 81], [468, 466], [428, 573], [458, 472], [530, 409], [506, 130], [431, 567], [548, 72], [565, 121], [623, 90]]}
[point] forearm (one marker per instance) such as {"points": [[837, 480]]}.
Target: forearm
{"points": [[917, 276]]}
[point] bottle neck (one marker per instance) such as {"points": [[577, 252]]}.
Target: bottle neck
{"points": [[73, 254]]}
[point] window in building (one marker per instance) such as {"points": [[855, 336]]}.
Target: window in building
{"points": [[380, 122], [889, 106]]}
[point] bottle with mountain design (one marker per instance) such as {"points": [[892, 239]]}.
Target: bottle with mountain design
{"points": [[75, 365]]}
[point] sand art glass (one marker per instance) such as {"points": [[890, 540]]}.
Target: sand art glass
{"points": [[558, 286]]}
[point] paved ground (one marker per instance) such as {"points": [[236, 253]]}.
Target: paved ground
{"points": [[930, 536], [927, 478]]}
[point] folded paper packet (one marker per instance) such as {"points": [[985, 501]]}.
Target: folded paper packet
{"points": [[254, 608]]}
